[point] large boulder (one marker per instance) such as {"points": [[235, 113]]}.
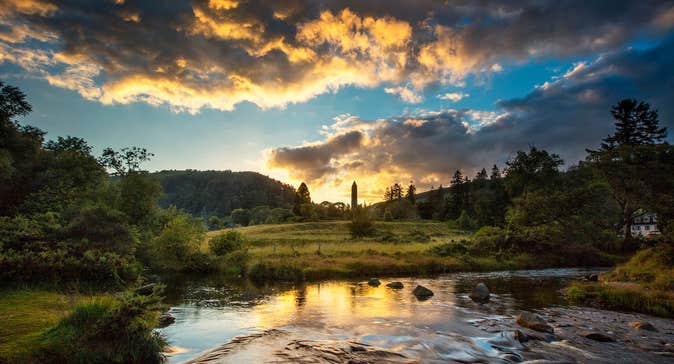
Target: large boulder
{"points": [[422, 292], [395, 285], [374, 282], [480, 293], [533, 321]]}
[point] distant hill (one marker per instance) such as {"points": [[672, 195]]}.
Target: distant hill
{"points": [[206, 193]]}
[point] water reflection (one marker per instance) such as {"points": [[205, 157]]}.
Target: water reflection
{"points": [[211, 311]]}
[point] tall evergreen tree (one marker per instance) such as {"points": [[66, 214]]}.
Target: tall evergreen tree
{"points": [[410, 195], [481, 175], [636, 123], [495, 173]]}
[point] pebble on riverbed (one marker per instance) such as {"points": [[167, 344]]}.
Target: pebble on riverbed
{"points": [[374, 282]]}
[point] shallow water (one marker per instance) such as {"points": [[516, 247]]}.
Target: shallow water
{"points": [[210, 312]]}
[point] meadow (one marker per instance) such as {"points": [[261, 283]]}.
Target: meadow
{"points": [[321, 250]]}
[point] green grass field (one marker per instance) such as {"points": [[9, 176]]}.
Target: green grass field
{"points": [[25, 314], [318, 250]]}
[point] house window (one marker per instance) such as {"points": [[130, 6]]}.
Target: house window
{"points": [[637, 228], [647, 227]]}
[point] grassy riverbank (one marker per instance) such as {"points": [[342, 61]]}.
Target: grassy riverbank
{"points": [[643, 284], [320, 250], [26, 313], [49, 326]]}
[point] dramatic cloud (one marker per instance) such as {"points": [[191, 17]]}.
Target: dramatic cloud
{"points": [[566, 115], [218, 53]]}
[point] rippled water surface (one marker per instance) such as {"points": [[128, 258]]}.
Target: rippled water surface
{"points": [[210, 312]]}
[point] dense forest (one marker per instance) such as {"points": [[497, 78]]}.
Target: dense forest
{"points": [[218, 193]]}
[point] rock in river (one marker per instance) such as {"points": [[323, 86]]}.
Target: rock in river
{"points": [[395, 285], [374, 282], [533, 321], [643, 326], [422, 292], [597, 336], [166, 319], [480, 293], [146, 290]]}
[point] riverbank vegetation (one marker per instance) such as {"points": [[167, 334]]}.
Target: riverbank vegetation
{"points": [[645, 284]]}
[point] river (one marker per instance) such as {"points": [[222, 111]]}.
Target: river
{"points": [[299, 323]]}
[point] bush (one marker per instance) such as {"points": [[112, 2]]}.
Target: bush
{"points": [[109, 331], [361, 225], [177, 243], [450, 249], [265, 271], [225, 243], [464, 221], [102, 228], [62, 263], [489, 240]]}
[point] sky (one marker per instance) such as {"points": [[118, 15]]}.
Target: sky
{"points": [[328, 92]]}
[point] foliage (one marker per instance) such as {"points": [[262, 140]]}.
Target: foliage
{"points": [[138, 197], [615, 297], [361, 225], [302, 197], [650, 267], [225, 243], [241, 217], [529, 171], [177, 246], [206, 193], [119, 331]]}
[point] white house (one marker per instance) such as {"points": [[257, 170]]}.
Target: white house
{"points": [[645, 224]]}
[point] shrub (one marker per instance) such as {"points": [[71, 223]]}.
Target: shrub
{"points": [[62, 263], [361, 225], [450, 249], [265, 270], [119, 331], [177, 243], [464, 221], [489, 240], [225, 243]]}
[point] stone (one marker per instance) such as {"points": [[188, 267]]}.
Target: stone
{"points": [[520, 336], [395, 285], [643, 326], [593, 277], [533, 321], [166, 319], [374, 282], [597, 336], [422, 292], [480, 293]]}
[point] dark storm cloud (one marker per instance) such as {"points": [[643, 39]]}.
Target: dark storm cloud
{"points": [[566, 116], [217, 53]]}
